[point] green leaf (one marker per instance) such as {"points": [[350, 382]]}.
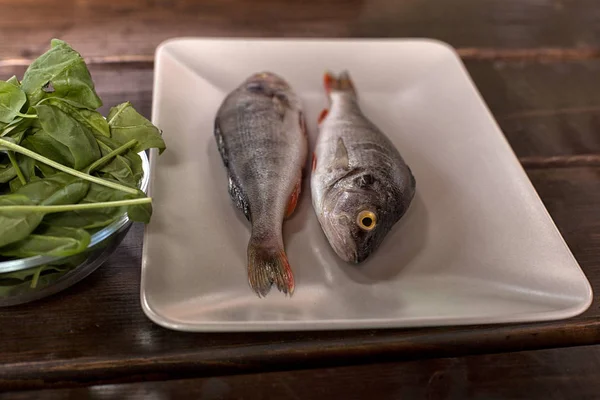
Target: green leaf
{"points": [[27, 167], [92, 119], [49, 241], [45, 170], [58, 189], [99, 218], [14, 283], [126, 124], [44, 144], [140, 213], [16, 184], [15, 226], [13, 80], [12, 99], [17, 129], [89, 219], [7, 172], [61, 72], [126, 168], [66, 130]]}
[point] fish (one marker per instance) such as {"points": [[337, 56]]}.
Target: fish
{"points": [[361, 186], [260, 130]]}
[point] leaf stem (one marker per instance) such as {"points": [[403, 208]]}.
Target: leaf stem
{"points": [[26, 152], [36, 277], [118, 151], [15, 164], [26, 115], [76, 207]]}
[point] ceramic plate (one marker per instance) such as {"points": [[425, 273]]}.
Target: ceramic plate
{"points": [[477, 245]]}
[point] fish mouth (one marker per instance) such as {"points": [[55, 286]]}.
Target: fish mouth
{"points": [[341, 243]]}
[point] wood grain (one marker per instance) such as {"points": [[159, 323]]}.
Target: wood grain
{"points": [[544, 109], [96, 330], [545, 375], [136, 27]]}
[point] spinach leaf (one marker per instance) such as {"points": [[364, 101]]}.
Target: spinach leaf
{"points": [[12, 99], [126, 124], [45, 170], [50, 241], [120, 170], [140, 213], [7, 172], [15, 226], [58, 189], [65, 129], [17, 129], [44, 144], [61, 72], [27, 167], [13, 80], [92, 119], [99, 218], [125, 168], [89, 219], [13, 283]]}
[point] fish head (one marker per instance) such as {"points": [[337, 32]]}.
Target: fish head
{"points": [[267, 83], [357, 214]]}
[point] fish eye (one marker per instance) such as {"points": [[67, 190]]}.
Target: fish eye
{"points": [[366, 220]]}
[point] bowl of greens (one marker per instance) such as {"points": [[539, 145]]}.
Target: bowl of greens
{"points": [[72, 181]]}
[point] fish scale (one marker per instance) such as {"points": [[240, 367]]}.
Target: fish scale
{"points": [[260, 136], [361, 185]]}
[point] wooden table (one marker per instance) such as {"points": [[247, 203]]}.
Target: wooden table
{"points": [[537, 64]]}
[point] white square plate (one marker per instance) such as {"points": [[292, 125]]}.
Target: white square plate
{"points": [[477, 245]]}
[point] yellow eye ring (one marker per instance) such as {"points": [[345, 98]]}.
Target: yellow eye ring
{"points": [[366, 220]]}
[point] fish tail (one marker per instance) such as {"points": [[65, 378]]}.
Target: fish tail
{"points": [[341, 83], [268, 265]]}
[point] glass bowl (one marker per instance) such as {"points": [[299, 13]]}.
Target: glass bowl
{"points": [[62, 272]]}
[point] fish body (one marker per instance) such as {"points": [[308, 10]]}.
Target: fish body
{"points": [[360, 184], [261, 136]]}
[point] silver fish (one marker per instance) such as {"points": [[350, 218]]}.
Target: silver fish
{"points": [[261, 135], [360, 184]]}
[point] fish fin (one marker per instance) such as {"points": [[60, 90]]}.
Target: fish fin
{"points": [[238, 196], [293, 199], [341, 83], [314, 161], [341, 160], [323, 115], [268, 265], [220, 142]]}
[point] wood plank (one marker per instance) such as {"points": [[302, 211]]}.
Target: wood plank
{"points": [[546, 374], [115, 27], [96, 330], [545, 109]]}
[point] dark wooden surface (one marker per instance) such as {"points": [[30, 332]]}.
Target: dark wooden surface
{"points": [[537, 66], [544, 375], [114, 27]]}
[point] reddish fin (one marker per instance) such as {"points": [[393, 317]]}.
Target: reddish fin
{"points": [[323, 115], [327, 81], [314, 162], [268, 265], [342, 83], [293, 200]]}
